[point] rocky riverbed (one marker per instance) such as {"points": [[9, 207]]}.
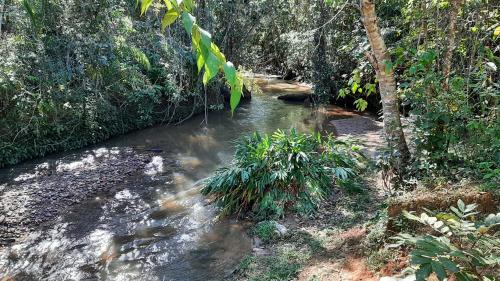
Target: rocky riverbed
{"points": [[36, 196]]}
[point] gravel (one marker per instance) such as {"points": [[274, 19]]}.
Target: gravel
{"points": [[40, 193]]}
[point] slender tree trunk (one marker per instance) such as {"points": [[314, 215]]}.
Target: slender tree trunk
{"points": [[379, 58], [451, 44], [321, 75], [2, 8]]}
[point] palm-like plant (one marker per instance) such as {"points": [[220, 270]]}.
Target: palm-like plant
{"points": [[287, 170]]}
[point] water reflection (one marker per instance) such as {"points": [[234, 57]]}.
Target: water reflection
{"points": [[158, 226]]}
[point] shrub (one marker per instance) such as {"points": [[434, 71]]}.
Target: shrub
{"points": [[266, 230], [459, 245], [271, 174]]}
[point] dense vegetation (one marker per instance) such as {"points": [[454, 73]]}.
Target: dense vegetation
{"points": [[271, 174], [74, 73]]}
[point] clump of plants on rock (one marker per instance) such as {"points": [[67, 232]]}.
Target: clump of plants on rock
{"points": [[284, 171]]}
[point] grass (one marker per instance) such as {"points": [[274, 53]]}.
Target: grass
{"points": [[265, 230], [309, 240], [283, 264]]}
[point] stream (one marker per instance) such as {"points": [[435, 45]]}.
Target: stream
{"points": [[153, 224]]}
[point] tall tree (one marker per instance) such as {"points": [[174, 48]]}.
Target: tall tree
{"points": [[381, 61], [451, 44], [2, 7]]}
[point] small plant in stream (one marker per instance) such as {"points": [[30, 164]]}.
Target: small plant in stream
{"points": [[287, 170], [456, 244]]}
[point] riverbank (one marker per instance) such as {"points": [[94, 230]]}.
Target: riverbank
{"points": [[348, 238], [329, 245]]}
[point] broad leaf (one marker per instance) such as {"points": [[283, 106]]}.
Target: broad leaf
{"points": [[206, 38], [211, 68], [188, 21], [169, 5], [230, 73], [235, 97], [423, 272], [169, 18], [448, 264], [220, 56], [188, 5], [439, 270], [145, 5]]}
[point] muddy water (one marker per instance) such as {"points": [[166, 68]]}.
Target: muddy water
{"points": [[156, 226]]}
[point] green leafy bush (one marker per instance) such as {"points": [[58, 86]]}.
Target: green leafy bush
{"points": [[266, 230], [456, 244], [271, 174]]}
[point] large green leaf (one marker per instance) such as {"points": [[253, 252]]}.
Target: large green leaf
{"points": [[200, 61], [188, 5], [418, 259], [168, 3], [236, 93], [220, 56], [448, 264], [230, 73], [206, 38], [169, 18], [188, 21], [195, 36], [423, 272], [211, 68], [145, 5], [439, 270]]}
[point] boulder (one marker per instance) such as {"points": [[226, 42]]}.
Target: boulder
{"points": [[280, 229], [226, 93], [299, 97]]}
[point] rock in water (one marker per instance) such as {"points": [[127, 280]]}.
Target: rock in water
{"points": [[299, 97]]}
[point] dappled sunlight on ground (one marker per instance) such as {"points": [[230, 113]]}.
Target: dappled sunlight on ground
{"points": [[363, 128], [280, 86]]}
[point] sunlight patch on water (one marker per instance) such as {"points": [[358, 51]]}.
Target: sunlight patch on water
{"points": [[189, 162], [204, 140], [88, 161], [154, 167]]}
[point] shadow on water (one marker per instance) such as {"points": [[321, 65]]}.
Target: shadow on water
{"points": [[154, 225]]}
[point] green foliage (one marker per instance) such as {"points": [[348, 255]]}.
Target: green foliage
{"points": [[357, 90], [208, 55], [271, 174], [265, 230], [456, 244], [89, 71], [456, 128]]}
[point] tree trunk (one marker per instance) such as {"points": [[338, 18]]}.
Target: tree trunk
{"points": [[379, 58], [2, 8], [451, 44], [321, 74]]}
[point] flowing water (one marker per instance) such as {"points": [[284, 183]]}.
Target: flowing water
{"points": [[156, 226]]}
